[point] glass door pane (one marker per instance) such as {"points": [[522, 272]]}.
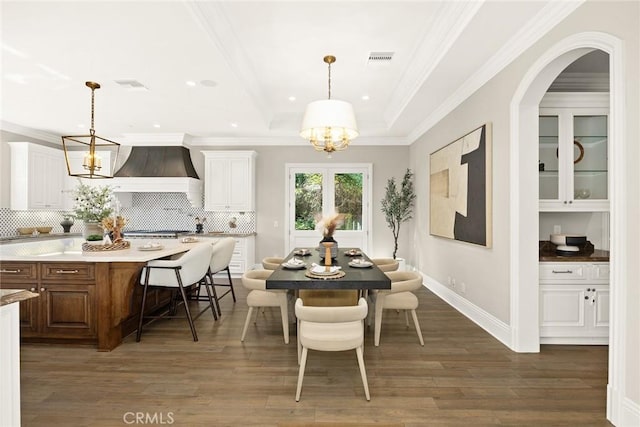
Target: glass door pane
{"points": [[590, 157], [308, 200], [348, 199], [548, 158]]}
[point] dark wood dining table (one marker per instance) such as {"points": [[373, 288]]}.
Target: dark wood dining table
{"points": [[354, 278]]}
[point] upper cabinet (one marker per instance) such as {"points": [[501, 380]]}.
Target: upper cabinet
{"points": [[38, 176], [229, 180], [573, 152]]}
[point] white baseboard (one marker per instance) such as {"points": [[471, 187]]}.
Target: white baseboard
{"points": [[622, 411], [494, 326]]}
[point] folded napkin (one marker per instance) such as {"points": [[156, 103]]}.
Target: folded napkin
{"points": [[315, 268]]}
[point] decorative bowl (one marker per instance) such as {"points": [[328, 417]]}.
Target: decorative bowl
{"points": [[26, 230], [44, 230]]}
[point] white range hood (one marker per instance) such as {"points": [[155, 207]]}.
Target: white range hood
{"points": [[190, 186]]}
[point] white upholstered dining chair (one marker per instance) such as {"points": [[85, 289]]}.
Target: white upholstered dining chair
{"points": [[331, 329], [399, 297], [259, 296]]}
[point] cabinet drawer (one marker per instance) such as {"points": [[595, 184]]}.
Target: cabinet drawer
{"points": [[563, 272], [600, 272], [11, 272], [68, 272]]}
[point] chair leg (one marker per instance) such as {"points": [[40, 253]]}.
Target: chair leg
{"points": [[233, 293], [363, 372], [298, 339], [303, 363], [260, 309], [144, 300], [213, 288], [406, 317], [211, 302], [246, 324], [415, 322], [186, 306]]}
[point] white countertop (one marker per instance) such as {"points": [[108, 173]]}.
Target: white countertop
{"points": [[70, 250]]}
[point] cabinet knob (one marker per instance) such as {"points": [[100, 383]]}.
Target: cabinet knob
{"points": [[565, 202], [586, 297], [42, 289], [32, 289], [570, 201]]}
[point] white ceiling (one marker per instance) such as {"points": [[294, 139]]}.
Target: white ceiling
{"points": [[258, 54]]}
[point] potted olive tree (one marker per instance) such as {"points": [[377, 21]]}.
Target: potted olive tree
{"points": [[397, 205]]}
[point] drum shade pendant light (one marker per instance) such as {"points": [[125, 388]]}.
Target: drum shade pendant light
{"points": [[329, 125], [89, 165]]}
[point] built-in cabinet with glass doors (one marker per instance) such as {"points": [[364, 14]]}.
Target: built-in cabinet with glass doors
{"points": [[573, 152]]}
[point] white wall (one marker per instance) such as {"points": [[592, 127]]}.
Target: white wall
{"points": [[486, 271]]}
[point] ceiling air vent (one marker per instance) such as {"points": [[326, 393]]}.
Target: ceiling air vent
{"points": [[132, 85], [380, 57]]}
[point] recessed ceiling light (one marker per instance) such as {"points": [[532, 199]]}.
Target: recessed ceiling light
{"points": [[80, 125], [208, 83], [365, 97], [156, 125], [190, 83], [292, 98], [234, 125]]}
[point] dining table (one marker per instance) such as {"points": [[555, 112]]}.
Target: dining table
{"points": [[361, 277]]}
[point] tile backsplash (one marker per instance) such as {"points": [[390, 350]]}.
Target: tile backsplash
{"points": [[148, 211]]}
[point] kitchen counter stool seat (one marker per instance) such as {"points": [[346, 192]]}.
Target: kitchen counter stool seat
{"points": [[189, 270], [222, 252]]}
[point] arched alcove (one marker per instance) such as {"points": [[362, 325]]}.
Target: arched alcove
{"points": [[524, 196]]}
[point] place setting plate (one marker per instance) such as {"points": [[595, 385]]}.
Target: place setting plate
{"points": [[294, 266], [357, 263], [302, 252], [352, 252]]}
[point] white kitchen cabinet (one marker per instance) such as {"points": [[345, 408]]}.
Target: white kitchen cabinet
{"points": [[573, 152], [229, 180], [574, 303], [243, 257], [37, 177]]}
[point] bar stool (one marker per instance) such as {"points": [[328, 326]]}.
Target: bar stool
{"points": [[191, 269], [220, 259]]}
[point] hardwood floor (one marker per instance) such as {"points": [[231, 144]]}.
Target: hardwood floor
{"points": [[462, 376]]}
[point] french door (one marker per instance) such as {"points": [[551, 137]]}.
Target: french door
{"points": [[317, 190]]}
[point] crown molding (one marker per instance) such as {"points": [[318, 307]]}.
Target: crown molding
{"points": [[152, 139], [539, 25], [31, 133], [448, 24]]}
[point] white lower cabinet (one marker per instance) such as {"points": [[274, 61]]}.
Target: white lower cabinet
{"points": [[243, 257], [574, 303]]}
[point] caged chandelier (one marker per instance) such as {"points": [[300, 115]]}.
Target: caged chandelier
{"points": [[329, 124], [93, 146]]}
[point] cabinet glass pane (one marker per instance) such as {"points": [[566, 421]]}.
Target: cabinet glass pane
{"points": [[548, 157], [590, 157]]}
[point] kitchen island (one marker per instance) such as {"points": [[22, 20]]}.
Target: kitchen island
{"points": [[85, 297]]}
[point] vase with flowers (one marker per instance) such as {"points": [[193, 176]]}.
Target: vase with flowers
{"points": [[327, 226], [92, 205]]}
